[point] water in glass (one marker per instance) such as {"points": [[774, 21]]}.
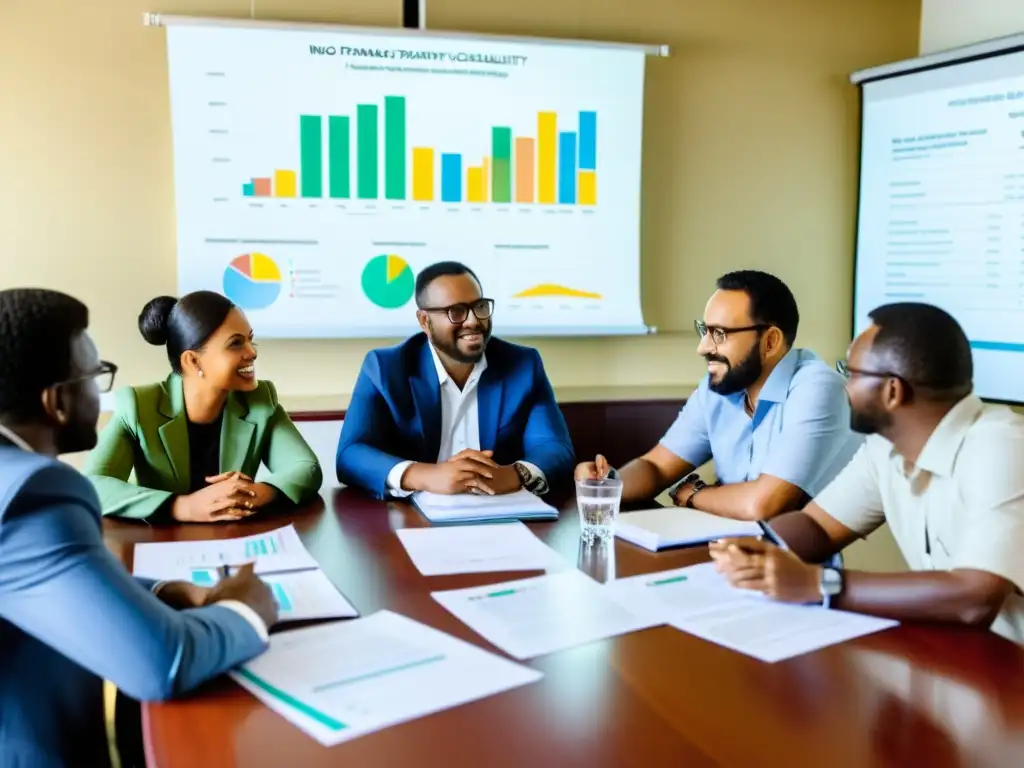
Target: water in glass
{"points": [[598, 502]]}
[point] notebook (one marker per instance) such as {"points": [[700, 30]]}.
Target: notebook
{"points": [[474, 508], [666, 527]]}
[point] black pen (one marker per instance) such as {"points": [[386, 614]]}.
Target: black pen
{"points": [[771, 535]]}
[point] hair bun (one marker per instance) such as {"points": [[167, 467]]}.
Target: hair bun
{"points": [[154, 318]]}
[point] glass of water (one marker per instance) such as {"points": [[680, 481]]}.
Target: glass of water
{"points": [[598, 502]]}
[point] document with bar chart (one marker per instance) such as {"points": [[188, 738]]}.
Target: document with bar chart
{"points": [[318, 172], [301, 589]]}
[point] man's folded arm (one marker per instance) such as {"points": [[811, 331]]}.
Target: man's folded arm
{"points": [[61, 585]]}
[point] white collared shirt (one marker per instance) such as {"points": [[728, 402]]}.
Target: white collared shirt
{"points": [[960, 506], [237, 606], [460, 423]]}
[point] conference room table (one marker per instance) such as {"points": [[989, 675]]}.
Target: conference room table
{"points": [[908, 696]]}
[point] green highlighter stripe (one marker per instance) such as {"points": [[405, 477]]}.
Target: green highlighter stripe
{"points": [[378, 673], [660, 582], [325, 720]]}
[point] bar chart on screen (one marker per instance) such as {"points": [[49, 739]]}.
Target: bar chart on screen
{"points": [[312, 188], [550, 166]]}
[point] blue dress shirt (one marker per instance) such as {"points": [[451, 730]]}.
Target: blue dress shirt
{"points": [[800, 430]]}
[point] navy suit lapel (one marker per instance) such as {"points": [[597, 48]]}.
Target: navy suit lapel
{"points": [[489, 407], [426, 392]]}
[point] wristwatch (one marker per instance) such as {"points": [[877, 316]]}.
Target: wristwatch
{"points": [[831, 584], [526, 478], [698, 486]]}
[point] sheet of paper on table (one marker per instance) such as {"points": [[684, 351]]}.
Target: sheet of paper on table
{"points": [[340, 681], [478, 549], [543, 614], [698, 600]]}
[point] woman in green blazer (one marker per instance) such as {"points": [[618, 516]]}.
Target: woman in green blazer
{"points": [[196, 440]]}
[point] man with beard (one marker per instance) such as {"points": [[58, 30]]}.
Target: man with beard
{"points": [[452, 410], [773, 418], [70, 615], [939, 466]]}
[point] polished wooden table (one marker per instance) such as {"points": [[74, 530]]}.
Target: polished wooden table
{"points": [[911, 696]]}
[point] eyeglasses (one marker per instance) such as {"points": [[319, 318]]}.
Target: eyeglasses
{"points": [[846, 371], [103, 376], [720, 335], [459, 313]]}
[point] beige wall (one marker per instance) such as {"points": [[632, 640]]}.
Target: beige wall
{"points": [[750, 160], [952, 23]]}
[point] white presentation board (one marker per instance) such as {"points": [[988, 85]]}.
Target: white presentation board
{"points": [[317, 171], [942, 206]]}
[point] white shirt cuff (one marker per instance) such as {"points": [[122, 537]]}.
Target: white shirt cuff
{"points": [[249, 615], [536, 474], [394, 481]]}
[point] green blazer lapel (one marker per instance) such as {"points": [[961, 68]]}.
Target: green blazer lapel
{"points": [[235, 436], [174, 434]]}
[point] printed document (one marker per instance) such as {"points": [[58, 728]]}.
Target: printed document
{"points": [[478, 549], [301, 589], [272, 552], [700, 601], [532, 617], [339, 681]]}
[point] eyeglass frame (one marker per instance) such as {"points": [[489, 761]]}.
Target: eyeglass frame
{"points": [[468, 308], [703, 330], [843, 369], [105, 368]]}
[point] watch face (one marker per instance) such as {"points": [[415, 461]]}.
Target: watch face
{"points": [[831, 582]]}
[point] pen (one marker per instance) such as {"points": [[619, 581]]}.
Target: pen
{"points": [[772, 536]]}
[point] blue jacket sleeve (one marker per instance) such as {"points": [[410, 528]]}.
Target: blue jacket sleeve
{"points": [[362, 458], [546, 441], [59, 583]]}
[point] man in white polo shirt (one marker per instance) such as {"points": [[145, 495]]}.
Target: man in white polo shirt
{"points": [[943, 469]]}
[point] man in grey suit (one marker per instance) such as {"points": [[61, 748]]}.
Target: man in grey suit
{"points": [[70, 615]]}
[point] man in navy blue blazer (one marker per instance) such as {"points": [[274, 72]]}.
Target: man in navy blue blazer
{"points": [[452, 410], [70, 615]]}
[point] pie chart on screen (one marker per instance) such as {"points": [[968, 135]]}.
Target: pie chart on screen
{"points": [[388, 281], [252, 281]]}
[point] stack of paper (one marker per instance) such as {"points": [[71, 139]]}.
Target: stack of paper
{"points": [[340, 681], [700, 601], [477, 549], [665, 527], [302, 590], [475, 508], [531, 617]]}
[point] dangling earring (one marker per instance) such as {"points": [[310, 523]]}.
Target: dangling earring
{"points": [[200, 374]]}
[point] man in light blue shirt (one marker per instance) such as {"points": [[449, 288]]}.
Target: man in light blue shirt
{"points": [[775, 419]]}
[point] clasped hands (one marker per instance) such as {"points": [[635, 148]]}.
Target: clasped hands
{"points": [[227, 496], [758, 565], [468, 471]]}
